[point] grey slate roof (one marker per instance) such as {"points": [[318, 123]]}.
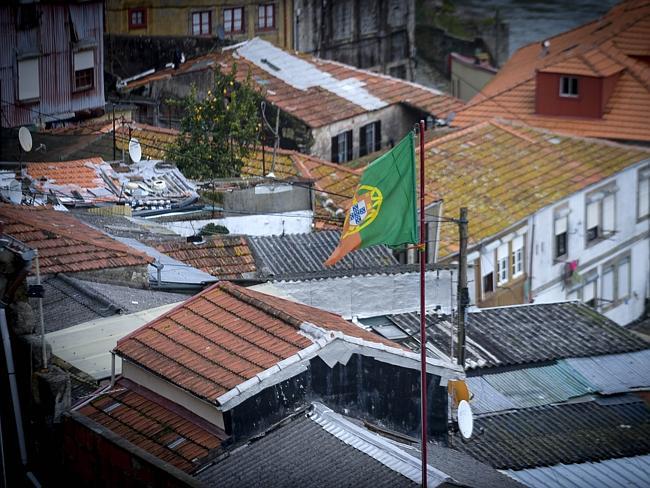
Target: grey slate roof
{"points": [[298, 454], [567, 433], [301, 256], [525, 334], [322, 448], [633, 472], [69, 301]]}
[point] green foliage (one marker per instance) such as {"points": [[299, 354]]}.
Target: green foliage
{"points": [[219, 131], [212, 229]]}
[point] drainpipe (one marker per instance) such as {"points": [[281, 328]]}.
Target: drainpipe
{"points": [[112, 369], [40, 311], [159, 266]]}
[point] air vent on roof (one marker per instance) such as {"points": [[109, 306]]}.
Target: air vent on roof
{"points": [[269, 64], [111, 407], [176, 443]]}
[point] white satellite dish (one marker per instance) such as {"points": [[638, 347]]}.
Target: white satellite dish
{"points": [[135, 151], [25, 139], [465, 419]]}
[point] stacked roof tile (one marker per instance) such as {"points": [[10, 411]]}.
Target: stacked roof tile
{"points": [[503, 172], [226, 257], [567, 433], [150, 422], [315, 91], [615, 44], [66, 245], [91, 179], [226, 335], [302, 255]]}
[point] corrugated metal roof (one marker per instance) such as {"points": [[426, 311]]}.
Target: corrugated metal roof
{"points": [[530, 387], [302, 75], [630, 472], [615, 373], [87, 346], [485, 398], [174, 271]]}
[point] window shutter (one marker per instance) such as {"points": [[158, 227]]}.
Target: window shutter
{"points": [[502, 251], [608, 285], [348, 140], [335, 149], [608, 213], [589, 291], [84, 60], [28, 80], [362, 142], [561, 225], [487, 263], [592, 215], [624, 278], [378, 135], [644, 197]]}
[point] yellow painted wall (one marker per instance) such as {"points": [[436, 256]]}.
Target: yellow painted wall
{"points": [[172, 18]]}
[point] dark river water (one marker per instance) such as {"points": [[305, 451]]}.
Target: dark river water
{"points": [[532, 21]]}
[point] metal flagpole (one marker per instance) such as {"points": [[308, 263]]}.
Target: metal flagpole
{"points": [[423, 332]]}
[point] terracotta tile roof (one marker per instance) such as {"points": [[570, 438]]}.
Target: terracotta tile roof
{"points": [[66, 245], [504, 172], [150, 422], [226, 335], [315, 105], [259, 164], [226, 257], [617, 43], [92, 178], [153, 140]]}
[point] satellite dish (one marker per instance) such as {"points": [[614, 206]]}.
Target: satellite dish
{"points": [[465, 419], [135, 151], [25, 139]]}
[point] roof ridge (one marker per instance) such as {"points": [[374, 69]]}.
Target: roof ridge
{"points": [[95, 295], [237, 292]]}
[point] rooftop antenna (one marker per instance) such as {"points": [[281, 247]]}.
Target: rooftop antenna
{"points": [[465, 419], [25, 142], [135, 151]]}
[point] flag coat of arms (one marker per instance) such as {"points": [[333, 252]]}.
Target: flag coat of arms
{"points": [[383, 207]]}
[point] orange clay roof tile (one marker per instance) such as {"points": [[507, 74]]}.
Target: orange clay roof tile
{"points": [[617, 43], [65, 244], [226, 335]]}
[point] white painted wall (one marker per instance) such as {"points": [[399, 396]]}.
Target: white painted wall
{"points": [[297, 222], [194, 404], [396, 121], [371, 295], [631, 236]]}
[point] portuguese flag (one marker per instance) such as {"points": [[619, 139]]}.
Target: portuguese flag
{"points": [[383, 207]]}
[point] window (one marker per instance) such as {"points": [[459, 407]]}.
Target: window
{"points": [[568, 86], [502, 264], [643, 199], [266, 16], [487, 273], [588, 291], [84, 69], [560, 231], [517, 257], [342, 147], [233, 20], [201, 23], [342, 19], [616, 282], [370, 138], [600, 214], [137, 18], [28, 80]]}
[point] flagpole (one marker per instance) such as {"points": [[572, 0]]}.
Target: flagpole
{"points": [[423, 332]]}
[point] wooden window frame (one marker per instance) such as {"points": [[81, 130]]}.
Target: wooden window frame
{"points": [[137, 10], [266, 26], [201, 13], [232, 20]]}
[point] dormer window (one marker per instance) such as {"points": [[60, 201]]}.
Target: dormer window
{"points": [[568, 86]]}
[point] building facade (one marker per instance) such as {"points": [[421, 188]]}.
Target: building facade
{"points": [[378, 35], [227, 19], [51, 62]]}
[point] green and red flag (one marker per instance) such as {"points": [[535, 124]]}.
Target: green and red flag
{"points": [[383, 206]]}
